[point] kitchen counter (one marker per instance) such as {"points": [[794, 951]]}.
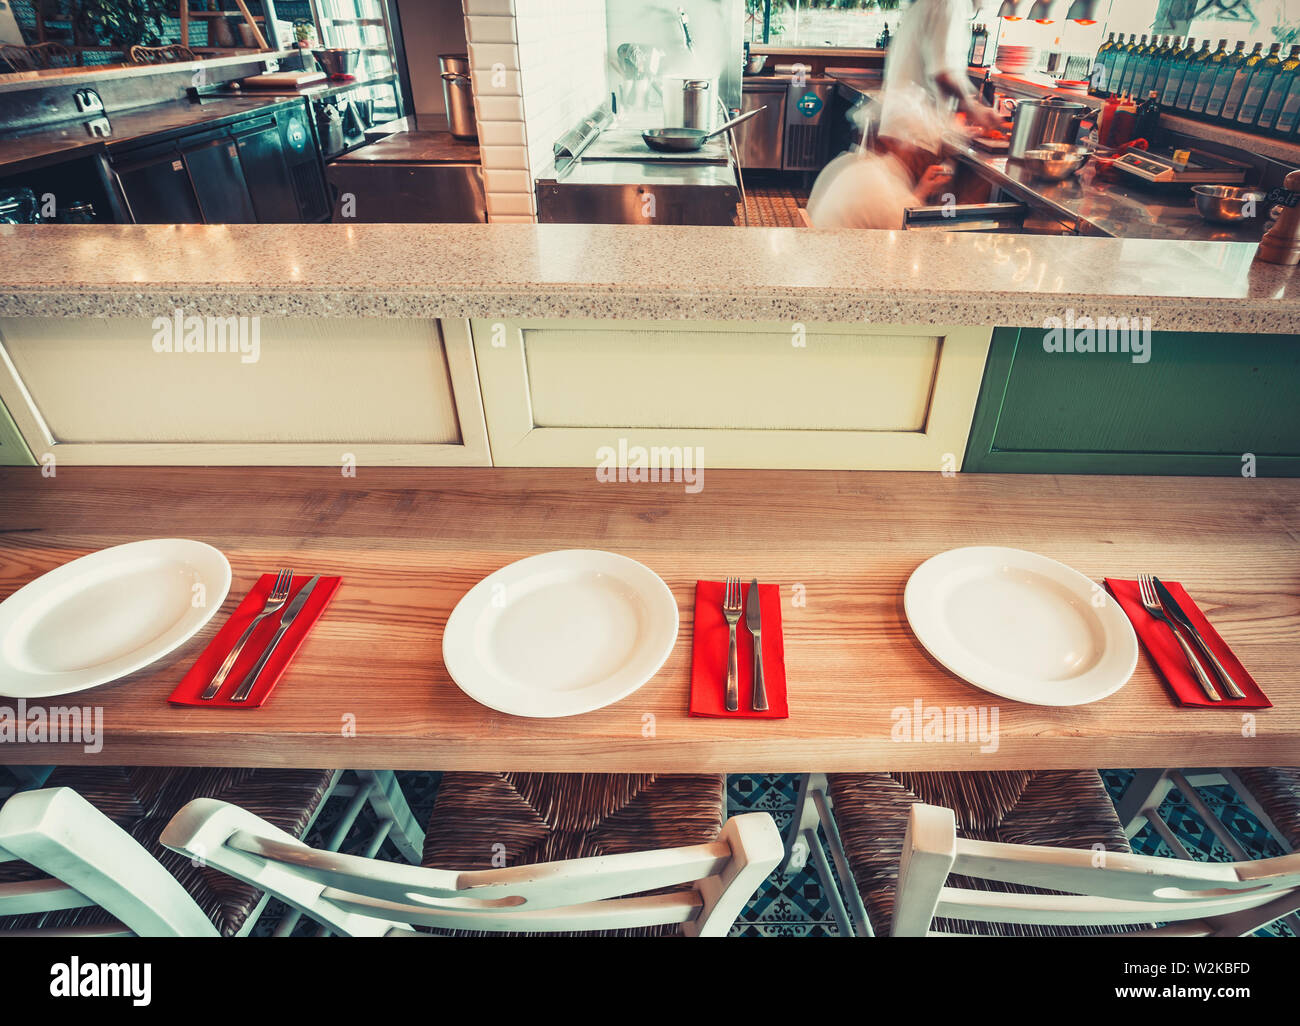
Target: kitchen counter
{"points": [[1105, 204], [415, 148], [70, 139], [633, 272]]}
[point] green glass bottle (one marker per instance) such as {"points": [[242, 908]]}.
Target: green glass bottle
{"points": [[1164, 65], [1121, 62], [1258, 87], [1209, 75], [1108, 59], [1133, 69], [1223, 80], [1159, 45], [1278, 90], [1237, 88], [1098, 83], [1194, 68], [1288, 116], [1178, 65]]}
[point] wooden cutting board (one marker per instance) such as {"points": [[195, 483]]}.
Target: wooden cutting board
{"points": [[284, 80]]}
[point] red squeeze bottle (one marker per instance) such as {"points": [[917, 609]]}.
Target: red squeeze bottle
{"points": [[1106, 128]]}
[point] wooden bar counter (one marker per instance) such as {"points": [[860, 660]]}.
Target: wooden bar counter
{"points": [[410, 542]]}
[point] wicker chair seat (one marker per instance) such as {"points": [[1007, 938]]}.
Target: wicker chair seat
{"points": [[142, 800], [493, 820], [1067, 809], [1278, 791]]}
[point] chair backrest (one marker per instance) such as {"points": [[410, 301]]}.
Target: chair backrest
{"points": [[169, 54], [90, 861], [1102, 889], [37, 56], [357, 896]]}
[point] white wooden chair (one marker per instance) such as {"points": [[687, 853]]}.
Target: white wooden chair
{"points": [[356, 896], [1103, 889], [90, 861]]}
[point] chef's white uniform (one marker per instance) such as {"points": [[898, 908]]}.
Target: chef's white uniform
{"points": [[933, 36]]}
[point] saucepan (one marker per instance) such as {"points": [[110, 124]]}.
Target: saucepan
{"points": [[683, 140]]}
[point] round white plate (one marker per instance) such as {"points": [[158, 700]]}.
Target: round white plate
{"points": [[561, 633], [1021, 626], [107, 614]]}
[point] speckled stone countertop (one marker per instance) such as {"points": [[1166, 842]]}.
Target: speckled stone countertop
{"points": [[630, 272]]}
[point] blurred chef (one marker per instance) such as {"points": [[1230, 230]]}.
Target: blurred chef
{"points": [[925, 74]]}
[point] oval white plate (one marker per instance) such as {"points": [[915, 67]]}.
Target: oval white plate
{"points": [[1020, 625], [560, 633], [107, 614]]}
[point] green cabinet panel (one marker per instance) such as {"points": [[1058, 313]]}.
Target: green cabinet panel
{"points": [[13, 450], [1196, 406]]}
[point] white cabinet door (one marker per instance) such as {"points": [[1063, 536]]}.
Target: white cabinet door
{"points": [[835, 396], [274, 390]]}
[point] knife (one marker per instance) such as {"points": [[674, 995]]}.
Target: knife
{"points": [[1176, 611], [286, 621], [754, 621]]}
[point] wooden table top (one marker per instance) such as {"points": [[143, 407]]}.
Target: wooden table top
{"points": [[410, 542]]}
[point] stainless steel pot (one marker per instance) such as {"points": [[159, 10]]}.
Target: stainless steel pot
{"points": [[1038, 122], [458, 94], [689, 103]]}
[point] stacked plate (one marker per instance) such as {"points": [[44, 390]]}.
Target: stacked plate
{"points": [[1015, 60]]}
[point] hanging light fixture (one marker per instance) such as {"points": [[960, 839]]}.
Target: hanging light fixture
{"points": [[1008, 9], [1041, 11], [1084, 11]]}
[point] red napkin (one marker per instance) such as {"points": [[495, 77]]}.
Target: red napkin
{"points": [[1158, 639], [201, 673], [709, 655]]}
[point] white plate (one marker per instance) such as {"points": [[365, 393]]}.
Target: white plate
{"points": [[1021, 626], [561, 633], [107, 614]]}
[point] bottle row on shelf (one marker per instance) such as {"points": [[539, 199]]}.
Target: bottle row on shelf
{"points": [[1255, 91]]}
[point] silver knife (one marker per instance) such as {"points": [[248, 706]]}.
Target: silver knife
{"points": [[286, 620], [754, 621], [1176, 611]]}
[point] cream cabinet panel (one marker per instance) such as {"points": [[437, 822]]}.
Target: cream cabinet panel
{"points": [[841, 396], [271, 391]]}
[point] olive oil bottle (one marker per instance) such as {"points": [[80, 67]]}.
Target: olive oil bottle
{"points": [[1237, 88], [1122, 56], [1258, 87], [1223, 80], [1098, 80], [1159, 46], [1288, 116], [1178, 65], [1209, 75], [1194, 68], [1164, 63], [1133, 68], [1281, 85]]}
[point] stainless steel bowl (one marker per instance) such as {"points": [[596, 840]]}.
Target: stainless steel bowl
{"points": [[1229, 204], [1056, 161], [337, 61]]}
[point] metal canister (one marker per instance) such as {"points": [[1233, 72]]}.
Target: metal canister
{"points": [[697, 104], [458, 94]]}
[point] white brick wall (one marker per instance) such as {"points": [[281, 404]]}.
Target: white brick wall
{"points": [[538, 66]]}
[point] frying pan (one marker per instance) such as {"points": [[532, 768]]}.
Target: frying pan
{"points": [[683, 140]]}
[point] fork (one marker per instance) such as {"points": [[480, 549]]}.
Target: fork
{"points": [[279, 595], [731, 611], [1151, 603]]}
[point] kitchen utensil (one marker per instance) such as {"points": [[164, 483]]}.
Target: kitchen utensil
{"points": [[731, 612], [338, 61], [107, 614], [274, 601], [754, 621], [1020, 625], [1228, 204], [283, 80], [286, 621], [689, 101], [1172, 607], [1151, 603], [1056, 162], [458, 95], [683, 140], [757, 62], [1037, 122], [560, 633]]}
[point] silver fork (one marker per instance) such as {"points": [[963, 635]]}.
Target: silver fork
{"points": [[279, 594], [1151, 603], [731, 611]]}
